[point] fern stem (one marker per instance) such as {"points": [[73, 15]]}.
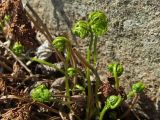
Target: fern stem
{"points": [[89, 106]]}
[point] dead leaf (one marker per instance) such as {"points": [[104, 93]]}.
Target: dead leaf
{"points": [[19, 113]]}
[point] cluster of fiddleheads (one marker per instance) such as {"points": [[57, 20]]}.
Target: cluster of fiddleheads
{"points": [[95, 26], [41, 94]]}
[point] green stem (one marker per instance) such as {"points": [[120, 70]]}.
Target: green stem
{"points": [[83, 61], [47, 63], [95, 63], [95, 51], [103, 112], [131, 94], [116, 77], [89, 108]]}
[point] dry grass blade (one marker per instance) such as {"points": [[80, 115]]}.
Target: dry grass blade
{"points": [[18, 113], [2, 85], [30, 101], [14, 97], [42, 28]]}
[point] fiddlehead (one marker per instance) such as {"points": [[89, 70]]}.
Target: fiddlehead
{"points": [[18, 48], [96, 26], [114, 101], [81, 29], [71, 72], [111, 103], [60, 43], [138, 87], [116, 69], [98, 22], [41, 94]]}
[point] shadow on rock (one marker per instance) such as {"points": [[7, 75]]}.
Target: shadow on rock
{"points": [[148, 108], [59, 8]]}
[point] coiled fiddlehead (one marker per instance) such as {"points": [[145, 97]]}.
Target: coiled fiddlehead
{"points": [[98, 22], [18, 48], [81, 29], [111, 103], [114, 101], [60, 43], [116, 69], [41, 94], [71, 72], [136, 88]]}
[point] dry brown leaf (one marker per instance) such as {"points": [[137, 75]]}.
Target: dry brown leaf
{"points": [[2, 85], [17, 70], [19, 27], [19, 113]]}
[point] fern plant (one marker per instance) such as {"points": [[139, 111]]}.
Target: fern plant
{"points": [[41, 94], [93, 28], [18, 48]]}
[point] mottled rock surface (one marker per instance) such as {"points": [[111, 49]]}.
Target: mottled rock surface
{"points": [[133, 39]]}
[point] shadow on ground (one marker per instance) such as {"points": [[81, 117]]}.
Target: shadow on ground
{"points": [[59, 8], [148, 108]]}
